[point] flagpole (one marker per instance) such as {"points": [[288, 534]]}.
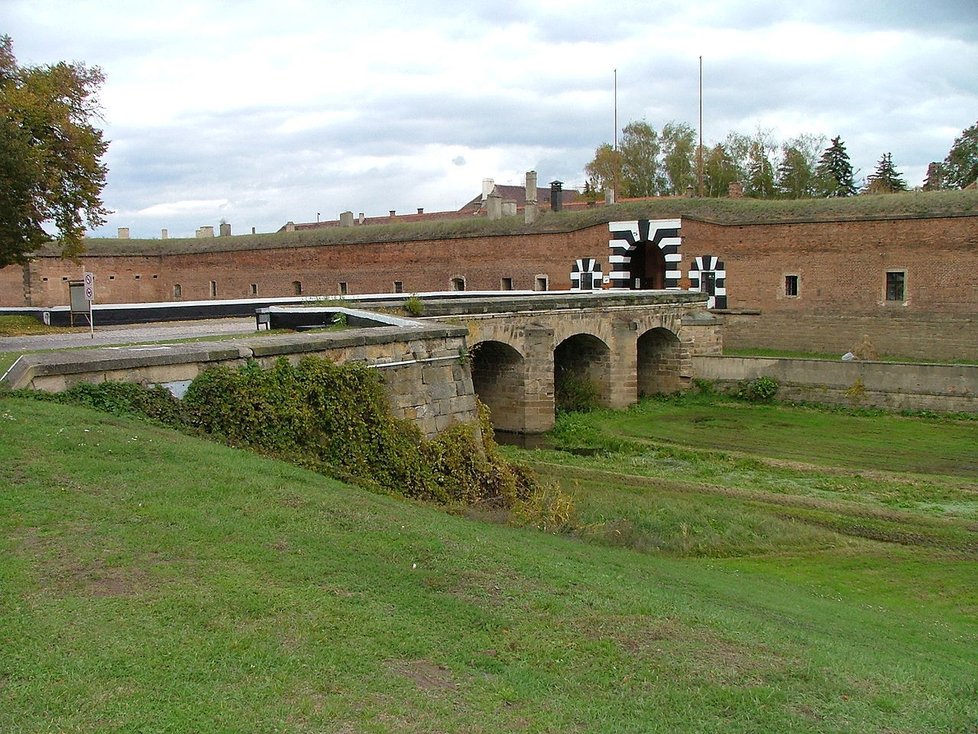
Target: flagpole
{"points": [[699, 155], [616, 110]]}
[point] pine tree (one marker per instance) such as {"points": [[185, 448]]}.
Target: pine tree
{"points": [[935, 177], [834, 171], [885, 179]]}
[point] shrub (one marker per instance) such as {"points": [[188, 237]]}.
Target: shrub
{"points": [[576, 393], [759, 390], [334, 419], [126, 398], [547, 508], [414, 306]]}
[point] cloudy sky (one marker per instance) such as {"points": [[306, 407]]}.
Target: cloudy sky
{"points": [[258, 112]]}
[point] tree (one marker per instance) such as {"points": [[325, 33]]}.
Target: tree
{"points": [[834, 172], [737, 146], [604, 171], [961, 165], [796, 172], [719, 171], [759, 181], [935, 177], [50, 155], [885, 179], [640, 168], [678, 151]]}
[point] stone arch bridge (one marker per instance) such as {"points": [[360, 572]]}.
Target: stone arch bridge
{"points": [[516, 352], [526, 351]]}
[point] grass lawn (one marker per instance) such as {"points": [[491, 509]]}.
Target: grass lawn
{"points": [[150, 581]]}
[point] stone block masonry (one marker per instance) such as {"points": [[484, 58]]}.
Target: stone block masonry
{"points": [[899, 386], [426, 380]]}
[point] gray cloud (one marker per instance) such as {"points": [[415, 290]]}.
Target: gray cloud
{"points": [[272, 113]]}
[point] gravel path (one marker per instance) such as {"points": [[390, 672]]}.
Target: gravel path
{"points": [[130, 334]]}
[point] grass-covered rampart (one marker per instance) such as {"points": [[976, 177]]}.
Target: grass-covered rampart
{"points": [[916, 204], [737, 568]]}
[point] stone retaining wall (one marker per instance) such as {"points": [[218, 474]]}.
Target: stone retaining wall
{"points": [[901, 386]]}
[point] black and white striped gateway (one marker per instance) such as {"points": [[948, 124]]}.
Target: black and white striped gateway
{"points": [[586, 275], [708, 275], [645, 254]]}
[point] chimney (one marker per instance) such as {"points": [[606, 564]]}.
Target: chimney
{"points": [[556, 196], [487, 186], [494, 206], [735, 190], [361, 219], [346, 219], [393, 212], [123, 233], [420, 210], [164, 234], [531, 186], [225, 229]]}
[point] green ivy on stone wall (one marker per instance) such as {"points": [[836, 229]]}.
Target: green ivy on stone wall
{"points": [[336, 420]]}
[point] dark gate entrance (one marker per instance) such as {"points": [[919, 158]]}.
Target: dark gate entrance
{"points": [[647, 268]]}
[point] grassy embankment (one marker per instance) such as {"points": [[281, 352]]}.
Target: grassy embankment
{"points": [[723, 211], [774, 569]]}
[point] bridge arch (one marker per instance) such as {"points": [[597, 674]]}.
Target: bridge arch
{"points": [[499, 381], [658, 363], [582, 366]]}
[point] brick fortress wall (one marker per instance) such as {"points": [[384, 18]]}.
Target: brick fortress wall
{"points": [[839, 268], [421, 265]]}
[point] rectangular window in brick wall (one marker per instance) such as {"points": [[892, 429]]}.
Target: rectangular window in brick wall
{"points": [[506, 284], [896, 285], [398, 286], [791, 286], [343, 289]]}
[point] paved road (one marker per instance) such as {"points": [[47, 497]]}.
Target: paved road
{"points": [[130, 334]]}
